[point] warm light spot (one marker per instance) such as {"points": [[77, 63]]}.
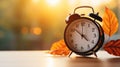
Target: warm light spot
{"points": [[36, 30], [35, 1], [24, 30], [96, 2], [71, 2], [85, 2], [50, 62], [52, 2]]}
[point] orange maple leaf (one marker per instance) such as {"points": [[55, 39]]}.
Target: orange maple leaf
{"points": [[110, 22], [113, 47], [59, 48]]}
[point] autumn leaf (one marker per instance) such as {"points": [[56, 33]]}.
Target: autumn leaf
{"points": [[110, 22], [113, 47], [59, 48]]}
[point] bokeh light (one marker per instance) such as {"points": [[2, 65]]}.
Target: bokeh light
{"points": [[38, 23], [36, 30], [53, 2], [24, 30], [35, 1]]}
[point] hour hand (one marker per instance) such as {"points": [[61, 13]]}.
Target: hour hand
{"points": [[83, 36]]}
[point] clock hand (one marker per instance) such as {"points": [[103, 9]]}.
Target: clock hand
{"points": [[79, 33], [83, 36], [82, 29]]}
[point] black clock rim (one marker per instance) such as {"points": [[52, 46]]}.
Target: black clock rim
{"points": [[96, 47]]}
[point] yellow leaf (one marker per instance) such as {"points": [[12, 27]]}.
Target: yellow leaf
{"points": [[110, 22]]}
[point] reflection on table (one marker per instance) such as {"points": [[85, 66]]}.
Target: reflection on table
{"points": [[44, 59]]}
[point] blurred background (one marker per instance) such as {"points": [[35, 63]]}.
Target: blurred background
{"points": [[36, 24]]}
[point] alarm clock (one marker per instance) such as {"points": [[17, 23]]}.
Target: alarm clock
{"points": [[84, 35]]}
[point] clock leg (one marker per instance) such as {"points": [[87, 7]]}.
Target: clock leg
{"points": [[70, 54], [95, 54]]}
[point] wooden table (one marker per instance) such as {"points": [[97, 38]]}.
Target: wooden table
{"points": [[44, 59]]}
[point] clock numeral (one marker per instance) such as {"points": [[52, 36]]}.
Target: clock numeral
{"points": [[77, 25], [93, 29], [94, 35], [82, 48], [88, 25], [71, 41], [72, 30], [88, 46], [75, 46], [82, 23], [92, 41], [70, 35]]}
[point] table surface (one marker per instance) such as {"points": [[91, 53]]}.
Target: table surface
{"points": [[44, 59]]}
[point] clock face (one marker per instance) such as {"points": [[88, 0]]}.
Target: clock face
{"points": [[82, 35]]}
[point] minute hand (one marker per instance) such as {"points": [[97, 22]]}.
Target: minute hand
{"points": [[81, 35]]}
